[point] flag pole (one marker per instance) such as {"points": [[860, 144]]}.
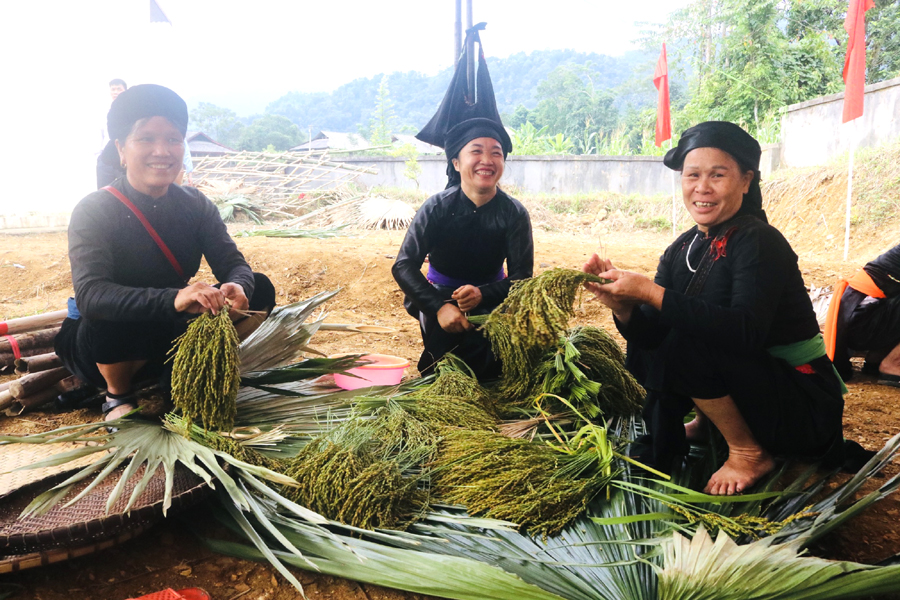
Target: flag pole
{"points": [[674, 194], [850, 129], [854, 89]]}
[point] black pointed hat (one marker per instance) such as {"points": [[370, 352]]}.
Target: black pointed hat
{"points": [[459, 115]]}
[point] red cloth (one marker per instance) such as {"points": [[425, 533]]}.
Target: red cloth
{"points": [[661, 81], [855, 61]]}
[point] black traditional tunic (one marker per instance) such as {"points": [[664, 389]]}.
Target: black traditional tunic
{"points": [[125, 287], [715, 344], [468, 244], [866, 323]]}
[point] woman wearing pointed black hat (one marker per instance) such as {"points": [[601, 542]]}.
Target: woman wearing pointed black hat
{"points": [[726, 328], [467, 232], [134, 245]]}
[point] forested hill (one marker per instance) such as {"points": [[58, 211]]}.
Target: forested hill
{"points": [[415, 96]]}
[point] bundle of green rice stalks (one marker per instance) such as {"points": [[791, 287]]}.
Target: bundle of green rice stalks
{"points": [[206, 371], [540, 487], [588, 368], [530, 321], [367, 472], [454, 378], [538, 310]]}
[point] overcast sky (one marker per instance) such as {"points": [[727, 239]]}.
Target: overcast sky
{"points": [[58, 56]]}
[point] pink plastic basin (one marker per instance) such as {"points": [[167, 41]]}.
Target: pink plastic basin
{"points": [[383, 370]]}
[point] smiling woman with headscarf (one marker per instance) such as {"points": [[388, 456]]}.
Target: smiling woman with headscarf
{"points": [[467, 232], [726, 328], [133, 247]]}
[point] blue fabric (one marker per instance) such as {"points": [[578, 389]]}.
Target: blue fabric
{"points": [[73, 309]]}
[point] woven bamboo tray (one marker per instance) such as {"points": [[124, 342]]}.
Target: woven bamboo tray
{"points": [[87, 524]]}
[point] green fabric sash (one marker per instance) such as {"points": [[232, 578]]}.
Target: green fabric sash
{"points": [[800, 353]]}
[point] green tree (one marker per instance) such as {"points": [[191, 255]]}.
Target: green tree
{"points": [[383, 120], [219, 123], [569, 103], [270, 130]]}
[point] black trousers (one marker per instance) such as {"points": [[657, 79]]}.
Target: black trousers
{"points": [[471, 346], [791, 412], [82, 343]]}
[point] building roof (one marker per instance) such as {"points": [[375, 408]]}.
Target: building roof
{"points": [[422, 147], [201, 144], [333, 140]]}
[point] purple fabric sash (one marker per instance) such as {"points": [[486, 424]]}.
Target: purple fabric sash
{"points": [[437, 278]]}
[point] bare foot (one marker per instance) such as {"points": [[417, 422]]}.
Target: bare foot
{"points": [[742, 469], [119, 411], [697, 430]]}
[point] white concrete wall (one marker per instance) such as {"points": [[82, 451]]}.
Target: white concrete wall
{"points": [[812, 132], [644, 175]]}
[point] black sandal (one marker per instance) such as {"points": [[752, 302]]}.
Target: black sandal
{"points": [[114, 401]]}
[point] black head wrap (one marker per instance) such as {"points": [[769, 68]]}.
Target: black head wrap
{"points": [[729, 138], [142, 102], [461, 118], [465, 132]]}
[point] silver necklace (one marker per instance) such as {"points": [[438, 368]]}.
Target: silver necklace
{"points": [[687, 255]]}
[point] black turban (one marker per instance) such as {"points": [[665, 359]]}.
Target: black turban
{"points": [[465, 132], [730, 138], [142, 102]]}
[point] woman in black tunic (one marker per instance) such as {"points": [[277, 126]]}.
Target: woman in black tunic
{"points": [[466, 232], [726, 327], [134, 245]]}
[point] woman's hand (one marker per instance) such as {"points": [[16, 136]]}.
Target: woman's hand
{"points": [[452, 320], [626, 291], [199, 298], [235, 295], [467, 297]]}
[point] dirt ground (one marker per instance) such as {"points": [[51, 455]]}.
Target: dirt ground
{"points": [[35, 277]]}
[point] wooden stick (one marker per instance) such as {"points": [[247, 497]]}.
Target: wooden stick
{"points": [[32, 323], [37, 363], [5, 399], [69, 384], [5, 385], [32, 339], [27, 403], [8, 359], [28, 385]]}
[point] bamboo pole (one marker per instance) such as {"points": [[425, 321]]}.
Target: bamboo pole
{"points": [[35, 382], [32, 339], [27, 403], [70, 383], [8, 359], [23, 324], [37, 363]]}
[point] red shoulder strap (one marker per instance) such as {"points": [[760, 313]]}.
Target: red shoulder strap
{"points": [[149, 228]]}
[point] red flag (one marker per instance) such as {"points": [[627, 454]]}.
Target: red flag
{"points": [[855, 62], [661, 81]]}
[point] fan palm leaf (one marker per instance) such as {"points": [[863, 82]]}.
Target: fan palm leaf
{"points": [[282, 336], [703, 569]]}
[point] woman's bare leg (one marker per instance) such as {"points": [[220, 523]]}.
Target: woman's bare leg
{"points": [[890, 364], [118, 378], [747, 460], [698, 429]]}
